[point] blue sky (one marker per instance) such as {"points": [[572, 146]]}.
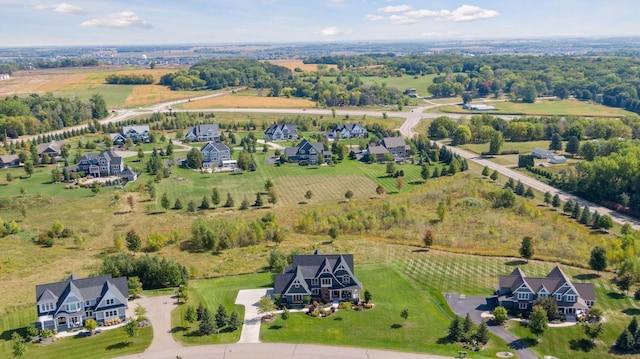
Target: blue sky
{"points": [[119, 22]]}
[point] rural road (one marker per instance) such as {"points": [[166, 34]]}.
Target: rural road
{"points": [[412, 118]]}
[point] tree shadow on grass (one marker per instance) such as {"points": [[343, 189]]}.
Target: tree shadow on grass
{"points": [[444, 340], [614, 295], [117, 346], [275, 327], [339, 319], [523, 343], [178, 329], [422, 250], [517, 262], [416, 182], [582, 345], [396, 326], [631, 311], [589, 276]]}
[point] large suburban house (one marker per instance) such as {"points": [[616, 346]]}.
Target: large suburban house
{"points": [[104, 164], [52, 149], [281, 131], [203, 133], [517, 291], [66, 305], [214, 153], [321, 277], [133, 133], [308, 152], [7, 161], [349, 130], [396, 146]]}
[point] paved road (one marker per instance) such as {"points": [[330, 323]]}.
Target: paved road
{"points": [[461, 305]]}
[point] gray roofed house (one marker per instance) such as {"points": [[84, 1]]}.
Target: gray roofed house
{"points": [[52, 149], [307, 151], [66, 305], [349, 130], [395, 145], [7, 161], [281, 131], [202, 133], [322, 277], [103, 164], [215, 153], [517, 291], [134, 133]]}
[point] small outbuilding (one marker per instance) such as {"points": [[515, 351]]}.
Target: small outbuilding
{"points": [[557, 160], [541, 153], [477, 107]]}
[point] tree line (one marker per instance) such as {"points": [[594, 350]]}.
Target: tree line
{"points": [[129, 79]]}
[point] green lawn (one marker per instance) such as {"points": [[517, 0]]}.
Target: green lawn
{"points": [[476, 275], [545, 107], [108, 344], [114, 95], [212, 293], [524, 147], [382, 327], [421, 83]]}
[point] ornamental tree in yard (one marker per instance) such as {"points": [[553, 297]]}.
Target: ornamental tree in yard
{"points": [[538, 321], [500, 314]]}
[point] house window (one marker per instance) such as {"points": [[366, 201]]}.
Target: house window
{"points": [[543, 295], [87, 303], [296, 298], [110, 301], [522, 305], [571, 298], [346, 279], [88, 314], [315, 291], [336, 294], [62, 321], [72, 307], [558, 297], [523, 296], [326, 282], [314, 281]]}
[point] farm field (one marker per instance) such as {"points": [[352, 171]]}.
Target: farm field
{"points": [[248, 101], [381, 327], [84, 82], [476, 275], [544, 108], [293, 64], [108, 344]]}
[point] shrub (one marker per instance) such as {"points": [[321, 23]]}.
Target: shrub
{"points": [[344, 305]]}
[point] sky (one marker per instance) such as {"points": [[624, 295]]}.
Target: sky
{"points": [[144, 22]]}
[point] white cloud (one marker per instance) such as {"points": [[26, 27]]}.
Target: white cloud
{"points": [[119, 20], [463, 13], [339, 1], [440, 34], [62, 8], [402, 20], [371, 17], [331, 31], [397, 8]]}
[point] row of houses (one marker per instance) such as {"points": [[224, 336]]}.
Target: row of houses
{"points": [[327, 278], [289, 131], [52, 149]]}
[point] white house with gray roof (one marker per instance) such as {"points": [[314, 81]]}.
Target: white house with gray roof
{"points": [[66, 305], [348, 130], [517, 291], [133, 133], [281, 132], [214, 153], [202, 133]]}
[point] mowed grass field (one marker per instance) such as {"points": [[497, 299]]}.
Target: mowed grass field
{"points": [[420, 83], [381, 327], [248, 99], [477, 276], [545, 108]]}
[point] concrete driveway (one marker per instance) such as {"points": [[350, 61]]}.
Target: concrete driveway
{"points": [[159, 314], [461, 305], [251, 325]]}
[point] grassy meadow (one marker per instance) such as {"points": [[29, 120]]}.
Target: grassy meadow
{"points": [[544, 108]]}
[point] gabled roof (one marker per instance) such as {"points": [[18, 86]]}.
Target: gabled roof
{"points": [[8, 158], [292, 127], [390, 142], [54, 146], [200, 129], [219, 146], [91, 287], [109, 155], [554, 283], [137, 129], [377, 149]]}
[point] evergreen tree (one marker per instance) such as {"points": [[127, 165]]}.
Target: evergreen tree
{"points": [[191, 206], [576, 211], [556, 142], [556, 201], [482, 334], [511, 184], [485, 171], [178, 204], [258, 202], [200, 312], [585, 217], [519, 190], [165, 202], [134, 242], [206, 323], [529, 193], [598, 260], [244, 204], [215, 196], [494, 175], [526, 248], [573, 145], [547, 198], [229, 203], [221, 316], [234, 321], [568, 206], [190, 315], [625, 341], [205, 203], [436, 172], [425, 173], [595, 217], [455, 329], [633, 325]]}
